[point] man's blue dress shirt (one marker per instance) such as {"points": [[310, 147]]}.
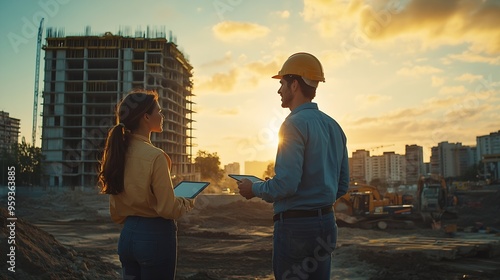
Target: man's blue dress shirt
{"points": [[311, 167]]}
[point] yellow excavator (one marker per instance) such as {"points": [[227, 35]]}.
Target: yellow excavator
{"points": [[363, 206]]}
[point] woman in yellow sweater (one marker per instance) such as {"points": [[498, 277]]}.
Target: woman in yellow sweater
{"points": [[136, 175]]}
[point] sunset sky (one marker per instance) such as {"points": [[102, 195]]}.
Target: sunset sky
{"points": [[397, 72]]}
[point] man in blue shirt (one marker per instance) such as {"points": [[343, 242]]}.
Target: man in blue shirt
{"points": [[312, 172]]}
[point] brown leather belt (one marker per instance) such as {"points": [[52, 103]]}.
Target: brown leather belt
{"points": [[302, 213]]}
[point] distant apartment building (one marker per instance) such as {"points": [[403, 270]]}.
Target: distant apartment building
{"points": [[232, 168], [359, 168], [414, 157], [488, 152], [434, 166], [388, 167], [427, 168], [465, 158], [452, 159], [488, 144], [9, 131], [86, 76]]}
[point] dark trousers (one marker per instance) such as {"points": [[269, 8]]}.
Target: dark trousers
{"points": [[302, 247], [148, 248]]}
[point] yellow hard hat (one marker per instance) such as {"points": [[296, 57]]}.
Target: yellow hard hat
{"points": [[302, 64]]}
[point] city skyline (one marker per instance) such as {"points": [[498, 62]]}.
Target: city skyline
{"points": [[397, 72]]}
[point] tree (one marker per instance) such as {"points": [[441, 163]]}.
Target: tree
{"points": [[471, 173], [6, 161], [208, 165], [269, 171], [27, 160]]}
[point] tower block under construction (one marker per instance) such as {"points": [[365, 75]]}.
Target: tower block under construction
{"points": [[86, 76]]}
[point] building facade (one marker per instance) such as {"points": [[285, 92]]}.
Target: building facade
{"points": [[9, 131], [452, 159], [359, 168], [414, 157], [443, 160], [488, 144], [232, 168], [86, 76], [465, 158], [389, 167], [488, 152]]}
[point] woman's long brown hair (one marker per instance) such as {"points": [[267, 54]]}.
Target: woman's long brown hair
{"points": [[128, 115]]}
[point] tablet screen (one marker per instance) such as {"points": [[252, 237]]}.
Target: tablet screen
{"points": [[189, 189], [252, 178]]}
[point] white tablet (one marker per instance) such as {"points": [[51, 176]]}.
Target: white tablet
{"points": [[252, 178], [189, 189]]}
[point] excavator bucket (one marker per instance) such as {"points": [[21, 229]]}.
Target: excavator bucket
{"points": [[346, 218]]}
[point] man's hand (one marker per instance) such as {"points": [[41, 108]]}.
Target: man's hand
{"points": [[245, 187]]}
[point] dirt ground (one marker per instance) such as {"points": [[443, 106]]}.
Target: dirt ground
{"points": [[68, 235]]}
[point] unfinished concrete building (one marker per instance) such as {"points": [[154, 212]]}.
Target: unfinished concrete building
{"points": [[85, 77]]}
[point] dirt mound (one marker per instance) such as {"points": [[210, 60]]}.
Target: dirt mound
{"points": [[222, 238], [412, 266], [395, 265], [482, 208], [38, 255]]}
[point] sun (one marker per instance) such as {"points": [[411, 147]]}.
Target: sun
{"points": [[268, 138], [274, 141]]}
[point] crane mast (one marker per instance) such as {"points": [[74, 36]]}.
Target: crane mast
{"points": [[37, 74]]}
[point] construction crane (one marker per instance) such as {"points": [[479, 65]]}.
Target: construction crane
{"points": [[37, 74], [379, 147]]}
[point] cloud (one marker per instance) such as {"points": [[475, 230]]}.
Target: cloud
{"points": [[278, 42], [470, 56], [437, 81], [370, 100], [418, 71], [334, 57], [449, 101], [467, 77], [231, 31], [438, 103], [228, 111], [327, 14], [430, 122], [282, 14], [225, 82], [221, 82], [452, 90], [227, 59], [405, 114], [436, 22], [469, 113], [265, 69], [434, 108]]}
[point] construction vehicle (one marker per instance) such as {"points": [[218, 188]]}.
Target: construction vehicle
{"points": [[363, 206], [432, 199]]}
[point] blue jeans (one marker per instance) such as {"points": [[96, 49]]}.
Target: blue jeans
{"points": [[302, 247], [148, 248]]}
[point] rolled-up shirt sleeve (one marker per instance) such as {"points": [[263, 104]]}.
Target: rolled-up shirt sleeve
{"points": [[288, 166], [166, 204], [344, 174]]}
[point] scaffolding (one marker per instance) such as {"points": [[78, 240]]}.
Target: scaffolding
{"points": [[86, 76]]}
